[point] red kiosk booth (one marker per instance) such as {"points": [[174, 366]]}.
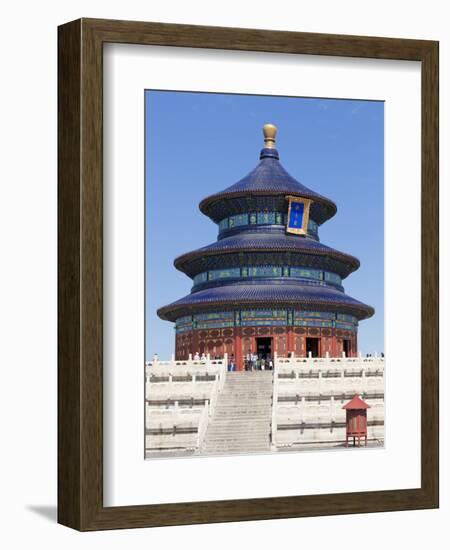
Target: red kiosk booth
{"points": [[356, 420]]}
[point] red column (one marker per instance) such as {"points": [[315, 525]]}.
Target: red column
{"points": [[177, 347], [334, 351], [194, 345], [289, 340], [238, 349]]}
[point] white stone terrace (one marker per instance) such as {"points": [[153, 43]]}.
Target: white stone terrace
{"points": [[180, 398], [308, 395]]}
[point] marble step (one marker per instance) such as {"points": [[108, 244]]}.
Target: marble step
{"points": [[227, 433], [242, 390], [243, 398], [250, 381], [239, 406], [242, 405], [239, 449], [241, 422], [239, 387], [246, 396], [230, 440], [239, 411], [247, 387], [235, 443], [230, 416]]}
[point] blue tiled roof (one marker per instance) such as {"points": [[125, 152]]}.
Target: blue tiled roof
{"points": [[265, 189], [269, 177], [250, 241], [244, 295]]}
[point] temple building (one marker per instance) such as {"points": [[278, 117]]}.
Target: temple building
{"points": [[267, 285]]}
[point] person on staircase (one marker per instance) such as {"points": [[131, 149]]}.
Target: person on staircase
{"points": [[231, 364], [248, 361]]}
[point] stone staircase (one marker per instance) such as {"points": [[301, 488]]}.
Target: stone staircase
{"points": [[242, 417]]}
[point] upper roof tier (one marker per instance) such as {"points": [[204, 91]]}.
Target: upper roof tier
{"points": [[269, 178]]}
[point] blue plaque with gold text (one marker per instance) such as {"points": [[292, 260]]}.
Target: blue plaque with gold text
{"points": [[298, 215]]}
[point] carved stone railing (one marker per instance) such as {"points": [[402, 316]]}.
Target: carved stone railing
{"points": [[175, 390], [308, 392]]}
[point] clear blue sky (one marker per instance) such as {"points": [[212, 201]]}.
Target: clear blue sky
{"points": [[198, 144]]}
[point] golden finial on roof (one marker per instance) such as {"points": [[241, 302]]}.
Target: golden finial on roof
{"points": [[269, 131]]}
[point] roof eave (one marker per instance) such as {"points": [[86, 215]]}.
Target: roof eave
{"points": [[171, 311], [181, 262]]}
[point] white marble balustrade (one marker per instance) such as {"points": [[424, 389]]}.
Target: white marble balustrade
{"points": [[179, 401], [308, 395]]}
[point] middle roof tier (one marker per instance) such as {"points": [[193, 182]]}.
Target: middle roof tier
{"points": [[264, 248]]}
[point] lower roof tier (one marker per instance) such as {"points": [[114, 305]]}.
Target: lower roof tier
{"points": [[241, 296]]}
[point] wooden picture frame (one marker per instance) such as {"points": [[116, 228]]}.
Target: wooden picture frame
{"points": [[80, 272]]}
